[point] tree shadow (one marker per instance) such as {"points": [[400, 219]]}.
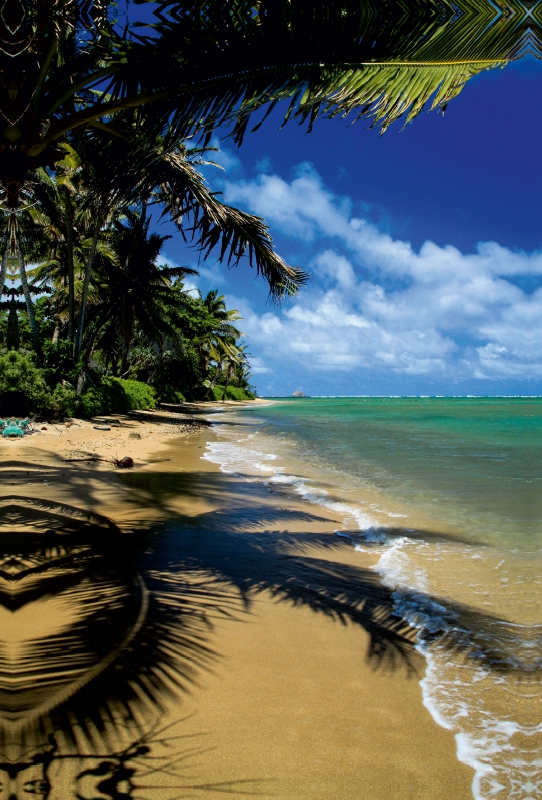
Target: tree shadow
{"points": [[195, 420], [140, 609]]}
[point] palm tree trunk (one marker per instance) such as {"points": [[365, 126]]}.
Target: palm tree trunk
{"points": [[124, 363], [29, 303], [86, 281], [68, 216], [3, 271]]}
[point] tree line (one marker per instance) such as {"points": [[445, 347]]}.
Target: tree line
{"points": [[87, 295], [107, 111]]}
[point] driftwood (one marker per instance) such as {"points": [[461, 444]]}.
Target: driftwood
{"points": [[127, 462]]}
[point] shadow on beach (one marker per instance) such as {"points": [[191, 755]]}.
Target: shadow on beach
{"points": [[132, 615]]}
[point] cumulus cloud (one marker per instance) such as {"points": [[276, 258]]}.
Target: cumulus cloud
{"points": [[376, 303]]}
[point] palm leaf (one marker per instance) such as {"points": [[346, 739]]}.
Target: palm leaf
{"points": [[214, 224], [387, 92]]}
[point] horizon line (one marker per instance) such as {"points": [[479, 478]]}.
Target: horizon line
{"points": [[402, 396]]}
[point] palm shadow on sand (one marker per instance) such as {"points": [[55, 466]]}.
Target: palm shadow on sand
{"points": [[167, 586]]}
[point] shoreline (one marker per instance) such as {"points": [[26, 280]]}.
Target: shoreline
{"points": [[315, 685], [215, 405]]}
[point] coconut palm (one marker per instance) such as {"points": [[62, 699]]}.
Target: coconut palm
{"points": [[190, 66], [13, 266], [121, 100], [127, 170], [133, 291], [220, 340], [58, 227]]}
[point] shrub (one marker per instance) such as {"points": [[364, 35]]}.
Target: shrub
{"points": [[171, 396], [61, 402], [230, 393], [58, 362], [140, 395], [91, 403], [22, 387], [116, 396], [24, 390]]}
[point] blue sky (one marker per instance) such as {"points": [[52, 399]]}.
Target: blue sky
{"points": [[425, 247]]}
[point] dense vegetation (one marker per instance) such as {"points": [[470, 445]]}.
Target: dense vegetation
{"points": [[95, 321], [146, 339], [107, 112]]}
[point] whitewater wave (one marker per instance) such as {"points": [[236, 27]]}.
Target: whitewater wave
{"points": [[463, 694]]}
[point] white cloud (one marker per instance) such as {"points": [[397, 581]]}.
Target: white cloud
{"points": [[257, 366], [376, 303], [225, 158], [264, 165], [213, 274]]}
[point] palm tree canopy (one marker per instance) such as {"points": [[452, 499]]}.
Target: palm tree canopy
{"points": [[197, 65]]}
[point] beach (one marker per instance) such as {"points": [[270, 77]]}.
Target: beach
{"points": [[296, 678]]}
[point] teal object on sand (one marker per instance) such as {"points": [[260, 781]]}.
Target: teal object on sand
{"points": [[14, 428]]}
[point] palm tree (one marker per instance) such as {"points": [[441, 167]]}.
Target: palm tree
{"points": [[200, 65], [13, 265], [28, 300], [56, 215], [122, 172], [72, 211], [215, 304], [220, 342], [133, 291], [117, 102]]}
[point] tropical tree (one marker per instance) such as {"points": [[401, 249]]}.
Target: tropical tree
{"points": [[84, 93], [57, 225], [107, 118], [190, 67], [131, 169], [76, 206], [133, 291], [141, 323], [14, 266]]}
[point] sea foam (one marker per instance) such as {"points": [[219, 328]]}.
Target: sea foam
{"points": [[454, 690]]}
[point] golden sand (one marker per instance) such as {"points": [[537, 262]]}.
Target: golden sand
{"points": [[311, 689]]}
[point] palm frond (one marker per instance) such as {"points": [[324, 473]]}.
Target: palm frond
{"points": [[214, 224], [388, 92]]}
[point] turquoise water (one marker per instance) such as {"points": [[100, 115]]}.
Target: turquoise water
{"points": [[447, 492], [478, 459]]}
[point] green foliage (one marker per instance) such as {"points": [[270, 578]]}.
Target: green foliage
{"points": [[24, 389], [18, 373], [139, 395], [231, 393], [116, 396], [91, 404], [141, 327], [59, 362], [62, 402], [44, 321], [196, 67], [23, 386]]}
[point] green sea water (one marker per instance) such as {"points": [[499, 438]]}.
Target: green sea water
{"points": [[447, 492], [475, 462]]}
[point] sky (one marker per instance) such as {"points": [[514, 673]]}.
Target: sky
{"points": [[424, 247]]}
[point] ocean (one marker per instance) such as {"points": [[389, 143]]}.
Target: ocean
{"points": [[447, 492]]}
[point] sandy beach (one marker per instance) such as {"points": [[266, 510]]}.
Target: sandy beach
{"points": [[303, 684]]}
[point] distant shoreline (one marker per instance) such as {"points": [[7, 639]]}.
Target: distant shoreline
{"points": [[405, 397]]}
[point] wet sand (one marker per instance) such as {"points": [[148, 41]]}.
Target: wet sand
{"points": [[305, 684]]}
